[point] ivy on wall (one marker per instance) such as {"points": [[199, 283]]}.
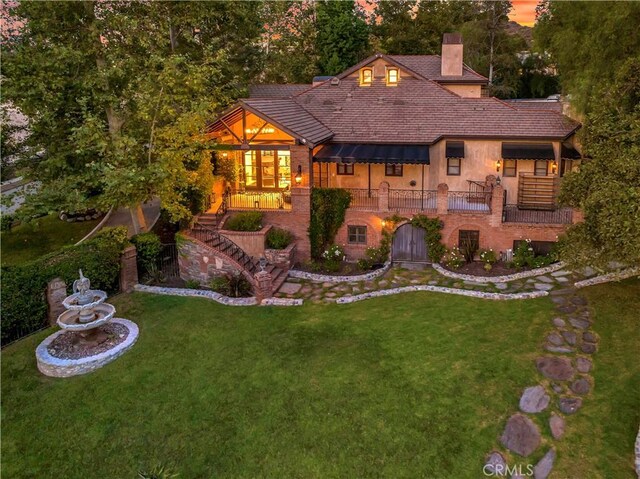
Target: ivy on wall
{"points": [[432, 227], [328, 209]]}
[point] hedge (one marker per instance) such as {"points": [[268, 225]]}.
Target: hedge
{"points": [[24, 302]]}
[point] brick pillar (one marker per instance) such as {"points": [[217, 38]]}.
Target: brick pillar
{"points": [[442, 200], [56, 292], [264, 283], [497, 204], [577, 216], [383, 196], [128, 269]]}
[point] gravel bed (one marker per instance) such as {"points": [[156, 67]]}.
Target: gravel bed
{"points": [[66, 346]]}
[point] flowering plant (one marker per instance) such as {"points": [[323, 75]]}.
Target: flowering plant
{"points": [[334, 253], [454, 258], [488, 257]]}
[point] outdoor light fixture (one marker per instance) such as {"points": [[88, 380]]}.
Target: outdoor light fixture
{"points": [[554, 167], [498, 181], [498, 163], [299, 175], [262, 262], [384, 224]]}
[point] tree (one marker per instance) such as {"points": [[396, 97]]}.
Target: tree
{"points": [[537, 78], [342, 35], [397, 31], [118, 94]]}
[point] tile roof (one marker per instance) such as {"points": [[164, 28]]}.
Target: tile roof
{"points": [[551, 105], [429, 67], [276, 91]]}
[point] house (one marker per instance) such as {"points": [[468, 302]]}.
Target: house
{"points": [[404, 134]]}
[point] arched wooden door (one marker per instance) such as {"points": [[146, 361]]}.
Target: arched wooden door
{"points": [[409, 244]]}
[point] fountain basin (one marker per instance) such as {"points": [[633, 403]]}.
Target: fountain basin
{"points": [[70, 319], [71, 302], [62, 368]]}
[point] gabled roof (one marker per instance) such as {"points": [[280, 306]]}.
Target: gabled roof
{"points": [[276, 91], [429, 66]]}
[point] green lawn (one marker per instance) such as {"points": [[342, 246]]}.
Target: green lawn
{"points": [[415, 385], [44, 235]]}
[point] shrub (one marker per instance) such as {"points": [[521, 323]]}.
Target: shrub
{"points": [[192, 284], [333, 258], [277, 238], [245, 221], [148, 248], [454, 258], [6, 222], [469, 249], [373, 256], [328, 209], [523, 255], [154, 275], [23, 300], [157, 472], [432, 238], [234, 285]]}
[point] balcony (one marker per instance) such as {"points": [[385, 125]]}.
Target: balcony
{"points": [[469, 202], [515, 214], [363, 199], [258, 200], [403, 200]]}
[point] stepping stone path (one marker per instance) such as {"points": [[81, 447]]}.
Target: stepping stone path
{"points": [[290, 288], [534, 399], [495, 464], [569, 383]]}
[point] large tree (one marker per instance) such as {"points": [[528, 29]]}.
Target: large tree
{"points": [[118, 94], [596, 47]]}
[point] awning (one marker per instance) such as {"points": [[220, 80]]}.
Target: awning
{"points": [[455, 149], [362, 153], [528, 151], [568, 152]]}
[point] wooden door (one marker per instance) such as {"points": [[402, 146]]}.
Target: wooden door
{"points": [[409, 244]]}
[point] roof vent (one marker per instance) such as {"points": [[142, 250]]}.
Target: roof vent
{"points": [[349, 97], [335, 81], [380, 99]]}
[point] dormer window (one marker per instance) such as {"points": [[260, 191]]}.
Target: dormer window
{"points": [[392, 76], [366, 76]]}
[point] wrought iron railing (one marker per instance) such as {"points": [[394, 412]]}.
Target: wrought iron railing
{"points": [[259, 200], [224, 245], [513, 214], [469, 202], [413, 200], [222, 209], [363, 199]]}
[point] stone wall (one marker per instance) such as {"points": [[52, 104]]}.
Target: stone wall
{"points": [[283, 258], [200, 263]]}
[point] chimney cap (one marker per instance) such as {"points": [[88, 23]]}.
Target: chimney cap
{"points": [[452, 39]]}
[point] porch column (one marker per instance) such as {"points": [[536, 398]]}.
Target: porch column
{"points": [[383, 196], [442, 201], [298, 221], [497, 204]]}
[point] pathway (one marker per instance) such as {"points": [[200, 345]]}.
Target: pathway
{"points": [[122, 216]]}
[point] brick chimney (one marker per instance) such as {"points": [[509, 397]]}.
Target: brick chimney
{"points": [[451, 55]]}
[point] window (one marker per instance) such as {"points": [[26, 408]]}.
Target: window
{"points": [[469, 237], [345, 169], [453, 166], [357, 234], [540, 168], [393, 170], [366, 76], [392, 76], [510, 167]]}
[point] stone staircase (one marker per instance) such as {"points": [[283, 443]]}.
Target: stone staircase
{"points": [[206, 234]]}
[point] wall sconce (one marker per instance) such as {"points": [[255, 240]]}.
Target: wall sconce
{"points": [[498, 164], [498, 181], [299, 175], [384, 224], [225, 155], [554, 167]]}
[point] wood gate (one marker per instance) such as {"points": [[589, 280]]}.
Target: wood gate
{"points": [[409, 244]]}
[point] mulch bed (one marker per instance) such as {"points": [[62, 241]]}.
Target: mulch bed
{"points": [[70, 346], [476, 268]]}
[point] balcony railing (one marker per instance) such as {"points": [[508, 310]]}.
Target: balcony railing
{"points": [[513, 214], [469, 202], [413, 200], [363, 199], [259, 200]]}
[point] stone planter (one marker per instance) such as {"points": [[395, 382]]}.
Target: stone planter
{"points": [[281, 257], [252, 242]]}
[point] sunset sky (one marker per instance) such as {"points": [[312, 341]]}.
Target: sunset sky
{"points": [[524, 12]]}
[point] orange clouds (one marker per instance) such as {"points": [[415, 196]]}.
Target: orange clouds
{"points": [[524, 12]]}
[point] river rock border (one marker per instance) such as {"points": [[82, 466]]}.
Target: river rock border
{"points": [[63, 368], [441, 289], [281, 302], [220, 298], [499, 279], [638, 453], [327, 278], [606, 278]]}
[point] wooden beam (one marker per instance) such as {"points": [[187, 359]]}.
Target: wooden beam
{"points": [[230, 130], [259, 131], [244, 126]]}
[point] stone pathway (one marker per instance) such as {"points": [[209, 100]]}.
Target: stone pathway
{"points": [[397, 277], [565, 383]]}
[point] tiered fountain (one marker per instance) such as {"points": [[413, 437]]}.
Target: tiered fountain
{"points": [[90, 337]]}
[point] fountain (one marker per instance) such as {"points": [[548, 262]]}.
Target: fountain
{"points": [[90, 337]]}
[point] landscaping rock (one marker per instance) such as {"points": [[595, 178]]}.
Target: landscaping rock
{"points": [[501, 286], [289, 288], [583, 365], [544, 279], [544, 466], [581, 386], [561, 272], [579, 300], [562, 280], [543, 286], [589, 337], [555, 339], [579, 323], [570, 337], [588, 348], [559, 322], [567, 308], [553, 367], [557, 388], [558, 349], [521, 435], [534, 399], [495, 464], [562, 292], [569, 405], [557, 426]]}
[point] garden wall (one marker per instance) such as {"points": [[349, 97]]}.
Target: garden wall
{"points": [[252, 242]]}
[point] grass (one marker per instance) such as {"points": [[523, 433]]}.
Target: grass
{"points": [[414, 385], [29, 241]]}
